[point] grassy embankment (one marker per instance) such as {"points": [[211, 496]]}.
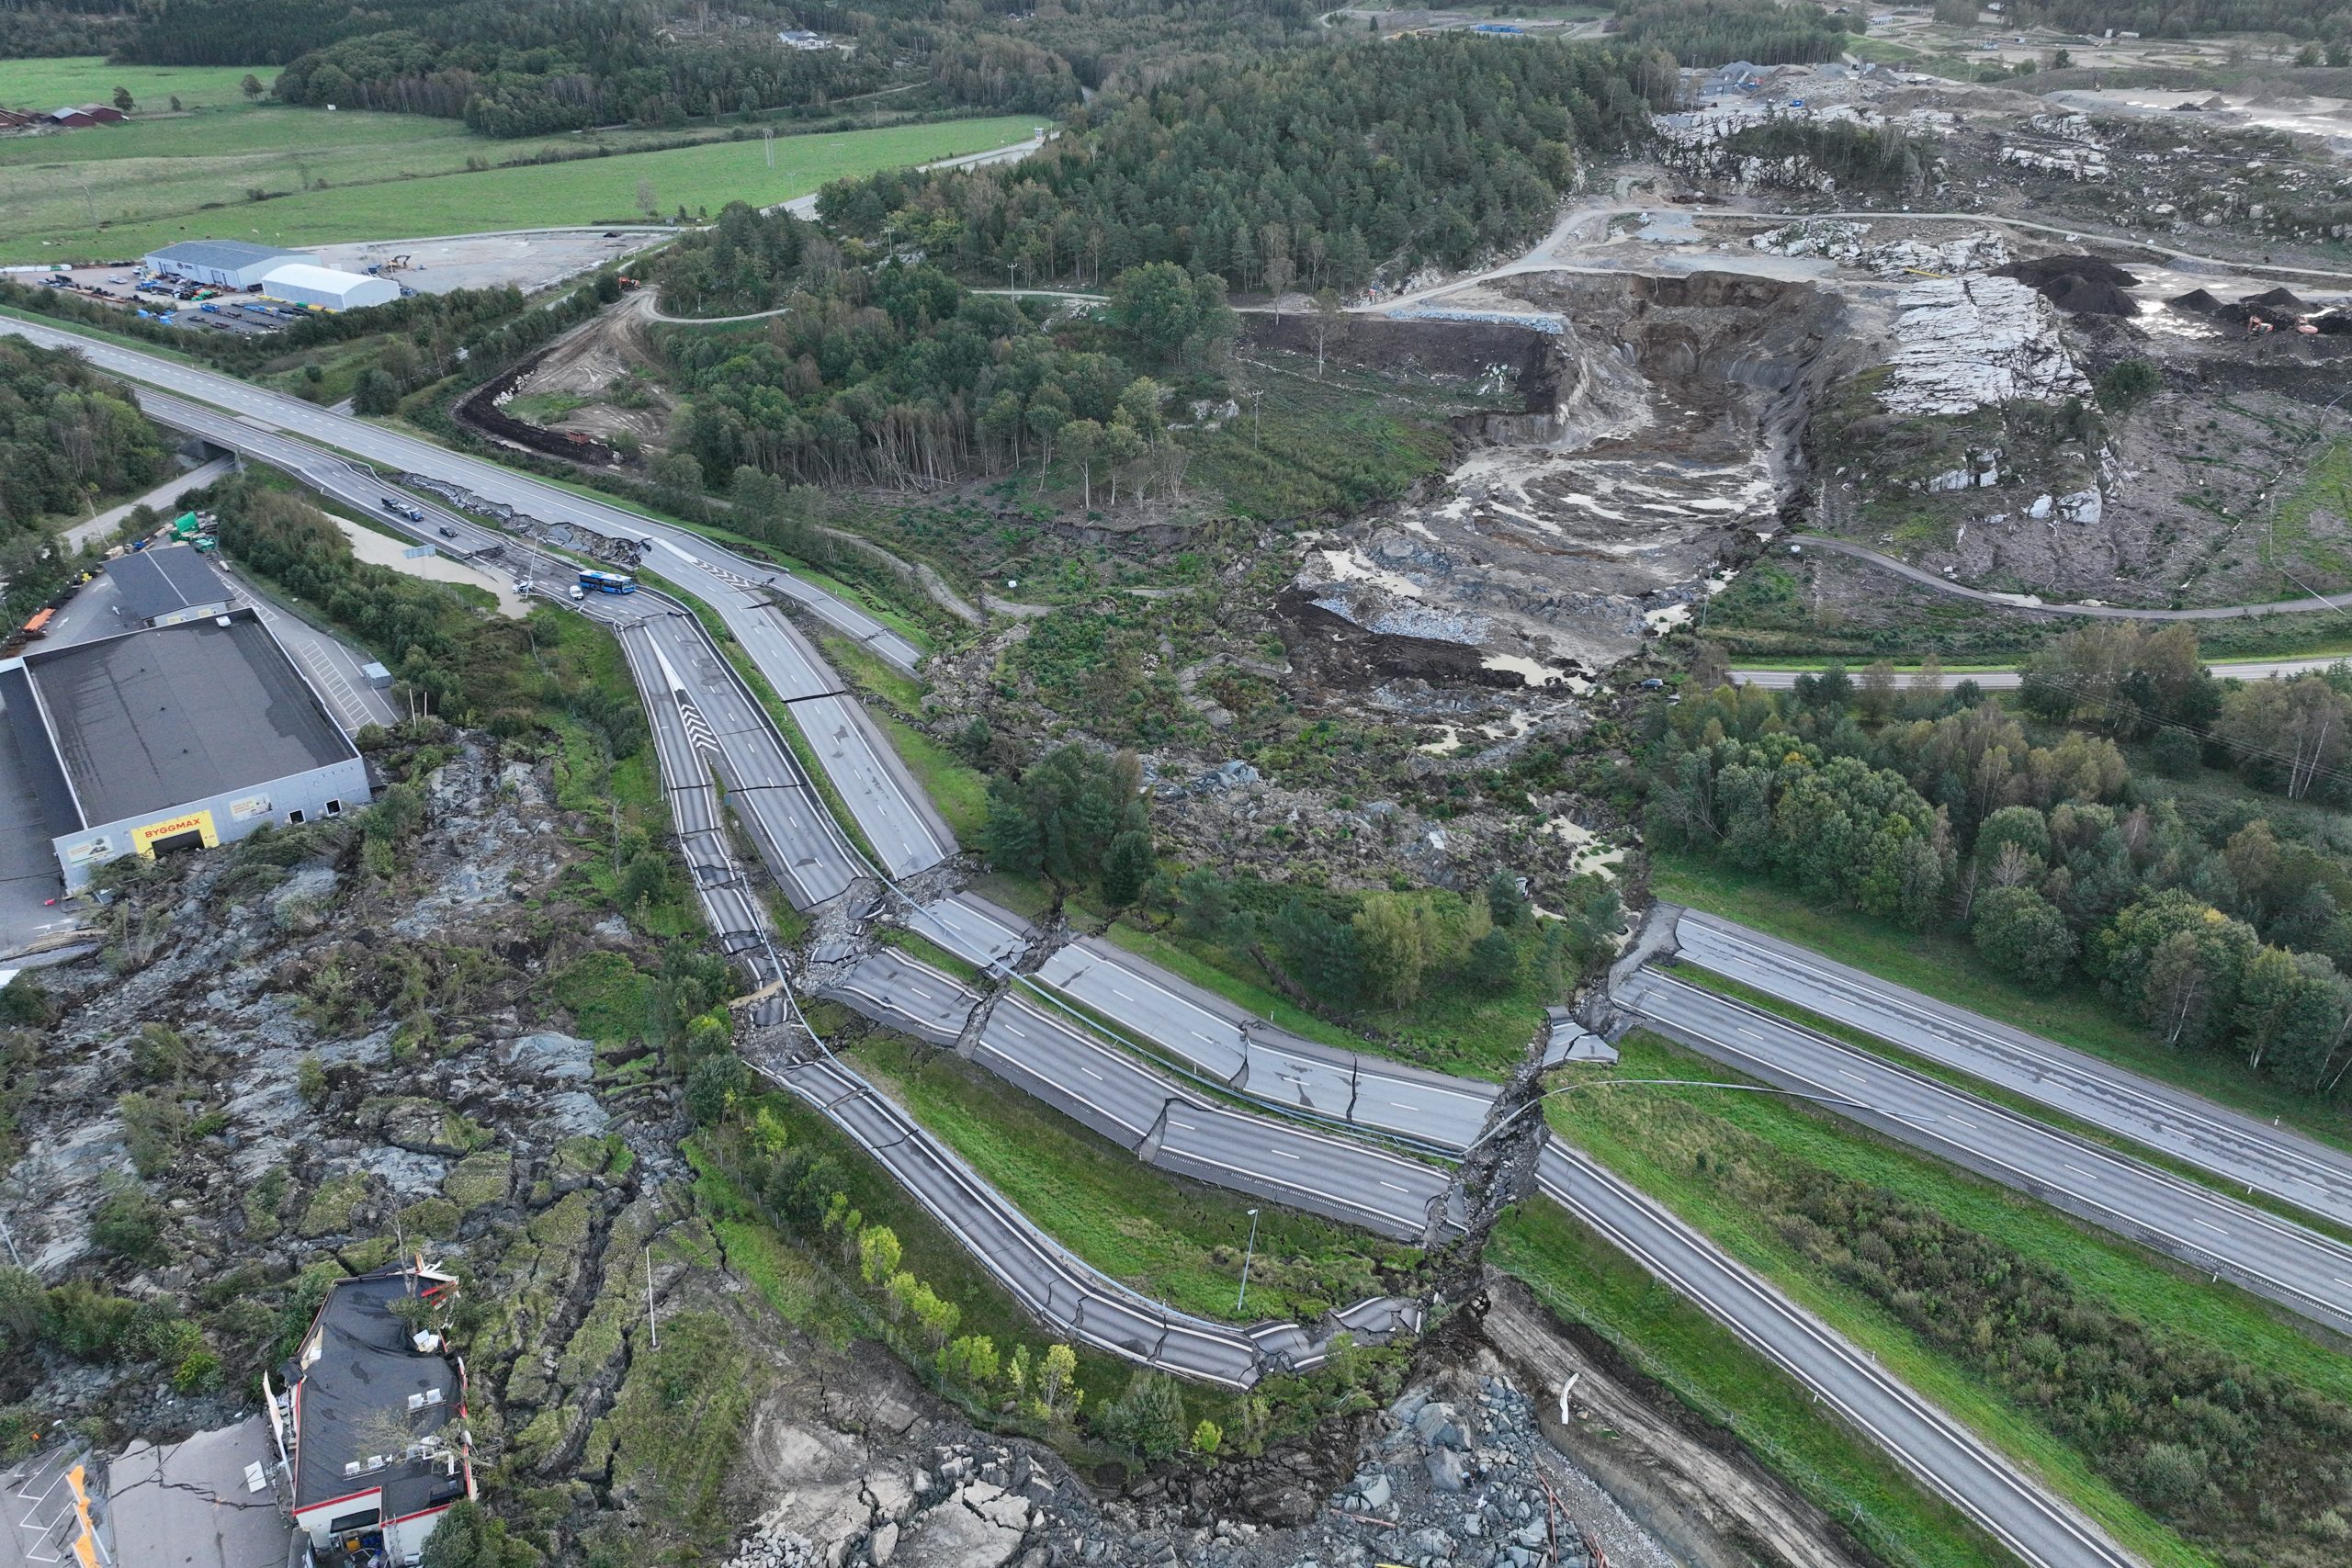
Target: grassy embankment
{"points": [[1177, 1241], [1944, 965], [1582, 1279], [192, 175], [1693, 1152]]}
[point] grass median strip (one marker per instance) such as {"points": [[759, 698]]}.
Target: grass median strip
{"points": [[1177, 1241], [1957, 1286]]}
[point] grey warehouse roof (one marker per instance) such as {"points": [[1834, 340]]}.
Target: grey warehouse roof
{"points": [[367, 1368], [222, 253], [148, 720], [160, 581]]}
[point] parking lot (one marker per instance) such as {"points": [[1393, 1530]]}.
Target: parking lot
{"points": [[119, 285]]}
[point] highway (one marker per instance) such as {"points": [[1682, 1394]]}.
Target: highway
{"points": [[2244, 1149], [1106, 1090], [1945, 1458], [1064, 1291], [813, 861], [905, 830], [2011, 680], [2299, 1268]]}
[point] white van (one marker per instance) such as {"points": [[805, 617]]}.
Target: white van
{"points": [[578, 591]]}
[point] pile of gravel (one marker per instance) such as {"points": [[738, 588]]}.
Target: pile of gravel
{"points": [[2196, 300], [2083, 285]]}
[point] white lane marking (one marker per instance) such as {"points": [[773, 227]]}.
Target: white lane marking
{"points": [[1964, 1122], [1186, 1125], [1018, 1030], [1285, 1153], [2211, 1226], [1090, 1073], [2078, 1171], [1749, 1032], [1400, 1105], [1392, 1186], [1856, 1076], [1120, 995]]}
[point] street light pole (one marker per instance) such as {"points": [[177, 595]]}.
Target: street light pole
{"points": [[1249, 1252]]}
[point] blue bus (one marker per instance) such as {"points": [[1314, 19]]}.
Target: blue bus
{"points": [[607, 582]]}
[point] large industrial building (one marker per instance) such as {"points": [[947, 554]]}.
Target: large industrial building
{"points": [[299, 283], [225, 264], [182, 737], [163, 587]]}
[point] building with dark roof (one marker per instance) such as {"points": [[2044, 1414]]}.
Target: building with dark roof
{"points": [[181, 737], [159, 587], [371, 1424], [226, 264]]}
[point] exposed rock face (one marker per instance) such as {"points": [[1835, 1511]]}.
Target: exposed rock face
{"points": [[1660, 428], [1962, 344]]}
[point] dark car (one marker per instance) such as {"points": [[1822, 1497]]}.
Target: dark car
{"points": [[392, 507], [448, 532]]}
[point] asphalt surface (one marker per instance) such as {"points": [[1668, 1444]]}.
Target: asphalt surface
{"points": [[1947, 1457], [2280, 1162], [1063, 1290], [2011, 680], [2299, 1268], [906, 831]]}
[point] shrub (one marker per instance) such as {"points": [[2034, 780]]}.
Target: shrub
{"points": [[1147, 1419], [130, 1223]]}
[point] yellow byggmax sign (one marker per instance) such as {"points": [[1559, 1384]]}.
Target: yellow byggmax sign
{"points": [[144, 839]]}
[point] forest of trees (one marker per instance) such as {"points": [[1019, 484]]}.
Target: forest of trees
{"points": [[2219, 929], [44, 30], [898, 375], [531, 69], [1302, 170], [68, 436], [2192, 18], [1716, 32]]}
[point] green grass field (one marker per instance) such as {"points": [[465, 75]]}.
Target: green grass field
{"points": [[1675, 1143], [84, 79], [1178, 1241], [190, 176], [1946, 966]]}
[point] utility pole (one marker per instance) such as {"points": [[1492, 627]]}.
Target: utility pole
{"points": [[767, 141], [1247, 1253]]}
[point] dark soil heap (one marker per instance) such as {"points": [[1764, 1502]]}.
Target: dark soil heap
{"points": [[2083, 285]]}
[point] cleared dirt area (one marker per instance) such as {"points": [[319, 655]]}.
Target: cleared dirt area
{"points": [[528, 259]]}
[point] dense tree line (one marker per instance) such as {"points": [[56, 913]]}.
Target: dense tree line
{"points": [[1077, 818], [2234, 1454], [68, 436], [473, 668], [1716, 32], [47, 29], [2192, 18], [2220, 934], [1306, 170], [554, 65], [896, 373]]}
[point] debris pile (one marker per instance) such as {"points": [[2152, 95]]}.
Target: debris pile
{"points": [[2082, 285]]}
